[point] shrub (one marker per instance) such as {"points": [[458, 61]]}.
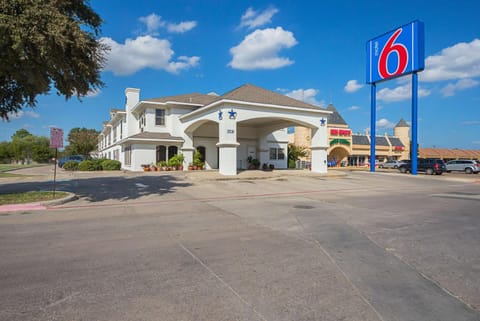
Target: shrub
{"points": [[111, 165], [87, 165], [97, 163], [291, 163], [70, 166]]}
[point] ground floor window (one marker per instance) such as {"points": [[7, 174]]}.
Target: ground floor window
{"points": [[128, 155], [116, 154], [202, 151], [164, 153], [357, 160], [277, 154]]}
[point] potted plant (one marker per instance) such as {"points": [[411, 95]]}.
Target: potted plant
{"points": [[180, 159], [197, 160], [146, 167], [163, 165], [153, 167]]}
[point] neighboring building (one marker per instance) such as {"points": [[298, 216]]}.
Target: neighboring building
{"points": [[347, 148], [226, 130]]}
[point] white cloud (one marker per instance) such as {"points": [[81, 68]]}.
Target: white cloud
{"points": [[459, 61], [144, 52], [384, 124], [353, 108], [181, 27], [32, 114], [462, 84], [259, 50], [93, 93], [15, 115], [352, 86], [21, 114], [306, 95], [400, 93], [252, 19], [154, 22]]}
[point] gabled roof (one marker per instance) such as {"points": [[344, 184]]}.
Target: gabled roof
{"points": [[381, 141], [155, 136], [360, 140], [193, 98], [395, 141], [335, 118], [254, 94], [402, 123]]}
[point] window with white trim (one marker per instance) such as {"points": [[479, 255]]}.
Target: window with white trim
{"points": [[128, 155], [159, 117], [277, 154]]}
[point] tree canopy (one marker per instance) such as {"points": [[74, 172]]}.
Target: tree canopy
{"points": [[82, 141], [26, 147], [45, 43]]}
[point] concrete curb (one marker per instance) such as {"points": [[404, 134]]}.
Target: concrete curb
{"points": [[37, 205]]}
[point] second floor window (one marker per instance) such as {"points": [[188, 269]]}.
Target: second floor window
{"points": [[159, 117]]}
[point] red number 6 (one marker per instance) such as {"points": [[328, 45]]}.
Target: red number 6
{"points": [[402, 54]]}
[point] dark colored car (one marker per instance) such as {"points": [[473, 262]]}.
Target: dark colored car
{"points": [[428, 165], [75, 158]]}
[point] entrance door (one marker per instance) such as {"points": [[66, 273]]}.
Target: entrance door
{"points": [[251, 152]]}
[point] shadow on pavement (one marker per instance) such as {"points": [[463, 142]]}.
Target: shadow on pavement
{"points": [[105, 188]]}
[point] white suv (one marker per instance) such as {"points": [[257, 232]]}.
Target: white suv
{"points": [[463, 165]]}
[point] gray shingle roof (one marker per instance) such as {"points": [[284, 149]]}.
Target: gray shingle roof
{"points": [[193, 98], [246, 93], [360, 140], [381, 141], [254, 94], [402, 123], [157, 136], [395, 141], [335, 118]]}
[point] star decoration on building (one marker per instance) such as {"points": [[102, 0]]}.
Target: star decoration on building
{"points": [[232, 114], [323, 121], [220, 115]]}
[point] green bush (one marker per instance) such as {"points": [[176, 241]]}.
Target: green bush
{"points": [[111, 165], [291, 163], [98, 163], [87, 165], [70, 166]]}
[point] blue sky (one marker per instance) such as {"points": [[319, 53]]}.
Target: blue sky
{"points": [[311, 50]]}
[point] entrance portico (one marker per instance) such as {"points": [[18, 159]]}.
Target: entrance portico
{"points": [[253, 128]]}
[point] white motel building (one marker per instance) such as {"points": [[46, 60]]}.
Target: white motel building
{"points": [[226, 129]]}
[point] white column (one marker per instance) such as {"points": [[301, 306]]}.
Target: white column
{"points": [[227, 142], [187, 151], [319, 149]]}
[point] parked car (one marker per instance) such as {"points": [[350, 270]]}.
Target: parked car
{"points": [[463, 165], [390, 164], [75, 158], [428, 165]]}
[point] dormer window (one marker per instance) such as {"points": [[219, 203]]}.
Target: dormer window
{"points": [[159, 117]]}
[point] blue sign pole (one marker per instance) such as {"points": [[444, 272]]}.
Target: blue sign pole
{"points": [[373, 118], [414, 151]]}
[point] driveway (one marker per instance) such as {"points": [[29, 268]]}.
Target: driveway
{"points": [[292, 246]]}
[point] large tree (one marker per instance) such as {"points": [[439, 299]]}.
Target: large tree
{"points": [[45, 43], [82, 141]]}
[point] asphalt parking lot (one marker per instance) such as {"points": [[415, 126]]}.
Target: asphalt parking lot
{"points": [[279, 246]]}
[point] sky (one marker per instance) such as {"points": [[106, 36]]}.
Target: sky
{"points": [[309, 50]]}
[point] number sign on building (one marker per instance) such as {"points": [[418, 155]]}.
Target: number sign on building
{"points": [[396, 53]]}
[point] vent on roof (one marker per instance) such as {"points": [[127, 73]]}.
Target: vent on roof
{"points": [[213, 94]]}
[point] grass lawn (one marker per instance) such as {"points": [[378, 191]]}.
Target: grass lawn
{"points": [[11, 167], [29, 197]]}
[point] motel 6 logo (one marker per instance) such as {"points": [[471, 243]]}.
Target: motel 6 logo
{"points": [[396, 53]]}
